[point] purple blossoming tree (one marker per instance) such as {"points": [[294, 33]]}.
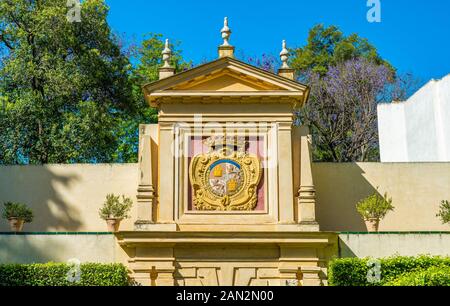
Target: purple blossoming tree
{"points": [[342, 109]]}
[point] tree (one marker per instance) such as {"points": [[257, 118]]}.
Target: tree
{"points": [[342, 110], [328, 47], [266, 62], [66, 85], [68, 90], [149, 59], [348, 78]]}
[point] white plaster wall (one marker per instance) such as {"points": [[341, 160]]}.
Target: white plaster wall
{"points": [[393, 145], [417, 130], [386, 245]]}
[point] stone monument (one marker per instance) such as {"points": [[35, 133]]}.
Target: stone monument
{"points": [[226, 195]]}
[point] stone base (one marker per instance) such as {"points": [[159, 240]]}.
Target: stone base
{"points": [[229, 258]]}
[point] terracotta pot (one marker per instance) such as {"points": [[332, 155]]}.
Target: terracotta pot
{"points": [[16, 224], [113, 224], [372, 224]]}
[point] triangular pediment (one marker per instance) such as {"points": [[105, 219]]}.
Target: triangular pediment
{"points": [[224, 77], [226, 80]]}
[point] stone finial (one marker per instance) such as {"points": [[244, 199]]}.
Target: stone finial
{"points": [[285, 70], [226, 32], [284, 55], [167, 54], [226, 49], [166, 70]]}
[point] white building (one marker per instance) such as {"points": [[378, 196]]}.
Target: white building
{"points": [[417, 130]]}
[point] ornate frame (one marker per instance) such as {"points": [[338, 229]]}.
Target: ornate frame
{"points": [[226, 151]]}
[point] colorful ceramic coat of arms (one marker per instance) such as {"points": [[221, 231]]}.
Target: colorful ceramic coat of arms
{"points": [[226, 178]]}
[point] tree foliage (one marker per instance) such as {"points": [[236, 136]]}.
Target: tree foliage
{"points": [[354, 271], [438, 276], [148, 58], [342, 110], [17, 210], [56, 274], [375, 206], [444, 212], [328, 46], [68, 92], [348, 78], [66, 84], [116, 207]]}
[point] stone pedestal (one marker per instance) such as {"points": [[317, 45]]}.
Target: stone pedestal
{"points": [[228, 258]]}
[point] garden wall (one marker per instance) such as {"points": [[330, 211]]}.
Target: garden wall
{"points": [[416, 189], [389, 244], [67, 197], [59, 247], [102, 247]]}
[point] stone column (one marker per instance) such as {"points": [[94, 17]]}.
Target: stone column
{"points": [[306, 194], [146, 192]]}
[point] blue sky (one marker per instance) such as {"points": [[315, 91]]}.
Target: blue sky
{"points": [[414, 35]]}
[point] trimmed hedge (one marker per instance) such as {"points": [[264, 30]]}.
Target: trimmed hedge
{"points": [[434, 276], [353, 271], [56, 274]]}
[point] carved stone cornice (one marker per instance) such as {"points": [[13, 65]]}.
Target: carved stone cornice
{"points": [[161, 238], [215, 97]]}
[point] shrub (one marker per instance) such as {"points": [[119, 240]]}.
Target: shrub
{"points": [[354, 271], [375, 206], [17, 210], [444, 213], [433, 276], [114, 208], [56, 274]]}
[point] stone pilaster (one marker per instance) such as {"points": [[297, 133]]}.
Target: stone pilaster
{"points": [[166, 174], [146, 197], [306, 200], [286, 191]]}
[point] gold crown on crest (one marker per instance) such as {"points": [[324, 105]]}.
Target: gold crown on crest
{"points": [[219, 141]]}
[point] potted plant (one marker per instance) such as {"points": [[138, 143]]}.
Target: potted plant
{"points": [[17, 214], [444, 213], [114, 210], [373, 209]]}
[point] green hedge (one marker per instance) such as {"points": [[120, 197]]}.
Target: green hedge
{"points": [[354, 271], [434, 276], [56, 274]]}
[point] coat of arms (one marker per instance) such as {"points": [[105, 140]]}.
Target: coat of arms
{"points": [[226, 178]]}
